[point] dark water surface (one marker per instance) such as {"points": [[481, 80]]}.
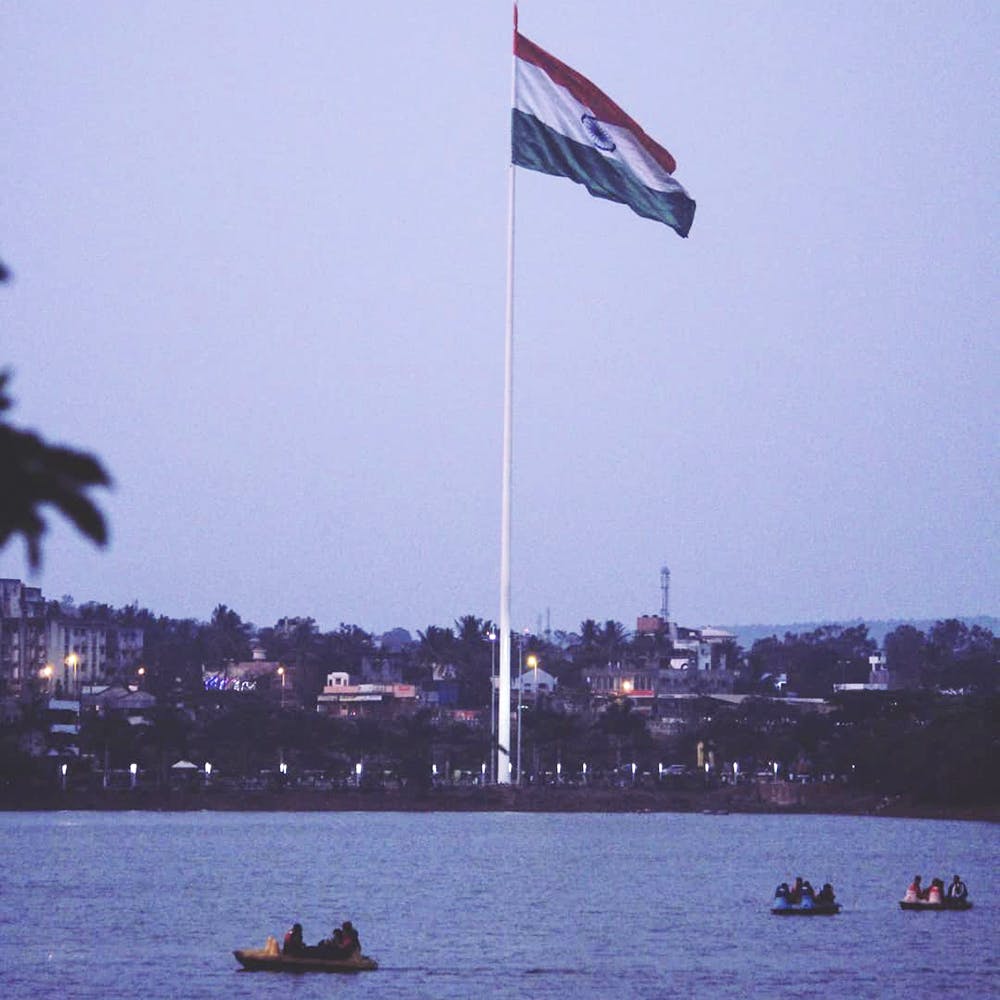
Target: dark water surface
{"points": [[482, 905]]}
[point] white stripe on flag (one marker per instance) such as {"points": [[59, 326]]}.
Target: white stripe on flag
{"points": [[537, 94]]}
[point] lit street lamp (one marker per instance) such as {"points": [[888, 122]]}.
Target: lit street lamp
{"points": [[281, 674], [532, 662], [520, 698], [74, 661]]}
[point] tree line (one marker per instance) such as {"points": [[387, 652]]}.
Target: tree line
{"points": [[949, 656], [922, 740]]}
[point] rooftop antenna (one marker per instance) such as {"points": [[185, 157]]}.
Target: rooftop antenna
{"points": [[665, 593]]}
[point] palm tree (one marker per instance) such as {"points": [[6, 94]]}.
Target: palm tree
{"points": [[613, 638], [474, 655], [472, 630], [36, 474], [302, 647], [590, 634], [227, 636], [437, 644]]}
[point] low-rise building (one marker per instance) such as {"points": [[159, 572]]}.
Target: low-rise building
{"points": [[342, 699], [534, 682], [256, 674], [121, 701], [636, 682], [878, 677]]}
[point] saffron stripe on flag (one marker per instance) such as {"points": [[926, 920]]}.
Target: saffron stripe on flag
{"points": [[603, 108]]}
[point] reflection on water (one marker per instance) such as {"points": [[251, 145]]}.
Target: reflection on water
{"points": [[460, 905]]}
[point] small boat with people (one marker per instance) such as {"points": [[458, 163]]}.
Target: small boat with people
{"points": [[935, 897], [341, 952], [263, 960], [801, 900]]}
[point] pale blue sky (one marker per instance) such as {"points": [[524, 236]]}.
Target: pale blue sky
{"points": [[259, 268]]}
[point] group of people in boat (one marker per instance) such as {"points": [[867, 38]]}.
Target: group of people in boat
{"points": [[343, 943], [935, 893], [801, 893]]}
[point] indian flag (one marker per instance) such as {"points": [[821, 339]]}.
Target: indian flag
{"points": [[563, 125]]}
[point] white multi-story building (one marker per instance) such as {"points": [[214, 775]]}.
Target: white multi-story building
{"points": [[707, 647], [40, 640]]}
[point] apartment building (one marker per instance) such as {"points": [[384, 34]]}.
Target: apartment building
{"points": [[58, 647]]}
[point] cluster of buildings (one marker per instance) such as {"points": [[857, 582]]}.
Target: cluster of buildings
{"points": [[79, 663], [75, 662], [54, 649], [696, 661], [699, 661], [47, 646]]}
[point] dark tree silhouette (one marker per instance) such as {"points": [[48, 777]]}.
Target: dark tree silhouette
{"points": [[39, 474]]}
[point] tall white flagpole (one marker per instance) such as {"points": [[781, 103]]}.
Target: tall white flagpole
{"points": [[503, 711]]}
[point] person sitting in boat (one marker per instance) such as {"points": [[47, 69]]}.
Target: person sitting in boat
{"points": [[915, 892], [293, 944], [935, 894], [352, 943], [781, 897], [958, 890], [795, 894], [333, 946], [826, 897], [808, 896]]}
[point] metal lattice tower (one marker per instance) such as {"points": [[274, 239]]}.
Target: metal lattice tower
{"points": [[665, 593]]}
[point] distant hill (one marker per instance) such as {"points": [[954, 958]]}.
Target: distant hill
{"points": [[747, 635]]}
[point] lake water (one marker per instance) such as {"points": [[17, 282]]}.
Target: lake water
{"points": [[474, 905]]}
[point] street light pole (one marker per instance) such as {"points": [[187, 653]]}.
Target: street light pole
{"points": [[532, 662], [73, 660], [492, 636], [520, 698], [281, 674]]}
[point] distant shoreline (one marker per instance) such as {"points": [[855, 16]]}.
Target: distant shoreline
{"points": [[772, 800]]}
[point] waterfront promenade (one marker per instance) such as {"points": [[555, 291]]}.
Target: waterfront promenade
{"points": [[771, 797]]}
